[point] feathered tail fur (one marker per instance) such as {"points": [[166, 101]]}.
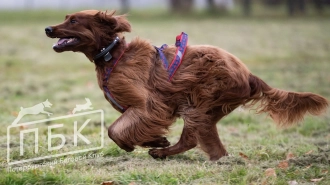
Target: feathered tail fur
{"points": [[285, 108]]}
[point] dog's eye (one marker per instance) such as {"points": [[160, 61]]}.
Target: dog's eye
{"points": [[73, 21]]}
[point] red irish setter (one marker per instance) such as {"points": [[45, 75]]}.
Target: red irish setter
{"points": [[209, 84]]}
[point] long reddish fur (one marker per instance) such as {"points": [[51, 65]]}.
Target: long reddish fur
{"points": [[209, 84]]}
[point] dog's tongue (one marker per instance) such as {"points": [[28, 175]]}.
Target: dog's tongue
{"points": [[62, 40]]}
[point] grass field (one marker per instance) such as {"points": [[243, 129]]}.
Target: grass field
{"points": [[291, 54]]}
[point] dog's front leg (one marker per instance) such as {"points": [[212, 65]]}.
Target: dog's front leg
{"points": [[45, 112], [120, 130], [131, 129], [198, 128]]}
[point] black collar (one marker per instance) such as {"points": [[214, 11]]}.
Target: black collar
{"points": [[105, 51]]}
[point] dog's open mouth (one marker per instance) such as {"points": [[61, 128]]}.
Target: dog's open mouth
{"points": [[64, 42]]}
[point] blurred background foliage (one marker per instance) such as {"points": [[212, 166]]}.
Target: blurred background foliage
{"points": [[223, 7]]}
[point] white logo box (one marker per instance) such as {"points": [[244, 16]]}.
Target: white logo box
{"points": [[72, 126]]}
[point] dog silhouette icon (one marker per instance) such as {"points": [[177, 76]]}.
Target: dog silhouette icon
{"points": [[36, 109]]}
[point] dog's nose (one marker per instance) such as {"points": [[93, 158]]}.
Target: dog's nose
{"points": [[48, 30]]}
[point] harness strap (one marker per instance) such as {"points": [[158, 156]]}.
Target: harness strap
{"points": [[108, 71], [181, 44], [162, 56]]}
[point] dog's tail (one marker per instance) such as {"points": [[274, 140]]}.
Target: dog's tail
{"points": [[285, 108]]}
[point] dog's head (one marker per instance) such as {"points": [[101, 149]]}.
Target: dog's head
{"points": [[87, 31], [47, 104]]}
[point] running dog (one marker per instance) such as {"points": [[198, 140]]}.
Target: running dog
{"points": [[37, 109], [208, 85]]}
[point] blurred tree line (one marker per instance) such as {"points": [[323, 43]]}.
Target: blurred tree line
{"points": [[293, 6]]}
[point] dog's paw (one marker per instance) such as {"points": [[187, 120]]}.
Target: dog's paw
{"points": [[161, 142], [157, 154]]}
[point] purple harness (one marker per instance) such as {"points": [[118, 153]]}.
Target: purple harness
{"points": [[181, 44], [108, 71]]}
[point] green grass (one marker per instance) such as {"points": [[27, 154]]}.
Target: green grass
{"points": [[291, 54]]}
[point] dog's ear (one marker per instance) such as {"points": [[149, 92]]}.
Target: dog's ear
{"points": [[117, 23]]}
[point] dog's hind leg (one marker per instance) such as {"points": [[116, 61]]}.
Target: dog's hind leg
{"points": [[208, 137], [19, 117], [188, 140], [199, 128], [74, 111], [210, 143]]}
